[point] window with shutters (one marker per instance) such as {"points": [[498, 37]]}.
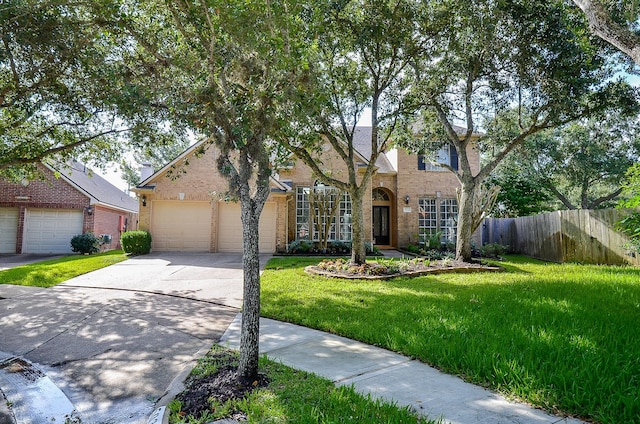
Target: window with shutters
{"points": [[446, 155]]}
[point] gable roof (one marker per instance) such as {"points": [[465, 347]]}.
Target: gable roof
{"points": [[100, 191], [148, 185]]}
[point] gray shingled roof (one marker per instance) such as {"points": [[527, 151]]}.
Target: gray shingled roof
{"points": [[97, 187], [362, 144]]}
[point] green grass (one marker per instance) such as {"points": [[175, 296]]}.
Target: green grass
{"points": [[562, 337], [298, 397], [51, 272]]}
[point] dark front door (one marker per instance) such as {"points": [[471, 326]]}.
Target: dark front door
{"points": [[381, 224]]}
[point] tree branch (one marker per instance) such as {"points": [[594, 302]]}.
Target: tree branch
{"points": [[603, 26]]}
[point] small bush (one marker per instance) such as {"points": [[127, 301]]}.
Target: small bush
{"points": [[300, 246], [85, 243], [630, 226], [493, 250], [136, 242]]}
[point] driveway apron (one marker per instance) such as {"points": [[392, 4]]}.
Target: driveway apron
{"points": [[115, 339]]}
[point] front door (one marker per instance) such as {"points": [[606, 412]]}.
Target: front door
{"points": [[381, 225]]}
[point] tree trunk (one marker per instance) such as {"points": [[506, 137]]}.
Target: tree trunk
{"points": [[358, 251], [465, 221], [249, 339]]}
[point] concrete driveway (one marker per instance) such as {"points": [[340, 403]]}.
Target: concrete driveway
{"points": [[115, 339]]}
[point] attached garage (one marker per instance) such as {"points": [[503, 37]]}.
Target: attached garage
{"points": [[230, 228], [8, 229], [181, 226], [51, 230]]}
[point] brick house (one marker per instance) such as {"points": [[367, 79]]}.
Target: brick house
{"points": [[41, 216], [181, 205]]}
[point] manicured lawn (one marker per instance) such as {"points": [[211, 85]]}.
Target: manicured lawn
{"points": [[562, 337], [55, 271], [290, 397]]}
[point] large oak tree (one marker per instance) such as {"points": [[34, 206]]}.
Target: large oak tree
{"points": [[230, 71], [509, 70]]}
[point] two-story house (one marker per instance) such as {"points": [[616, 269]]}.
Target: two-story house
{"points": [[408, 196]]}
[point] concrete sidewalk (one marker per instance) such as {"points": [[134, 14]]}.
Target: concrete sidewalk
{"points": [[388, 375]]}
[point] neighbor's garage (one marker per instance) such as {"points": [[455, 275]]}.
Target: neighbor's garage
{"points": [[181, 226], [8, 229], [51, 230], [230, 228]]}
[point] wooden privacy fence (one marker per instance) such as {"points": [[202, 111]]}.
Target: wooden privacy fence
{"points": [[585, 236]]}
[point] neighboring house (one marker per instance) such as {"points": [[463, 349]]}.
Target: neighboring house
{"points": [[41, 216], [408, 196]]}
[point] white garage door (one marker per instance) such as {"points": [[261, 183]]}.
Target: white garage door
{"points": [[51, 230], [230, 228], [181, 226], [8, 229]]}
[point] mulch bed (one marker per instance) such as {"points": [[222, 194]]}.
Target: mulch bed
{"points": [[221, 386], [412, 268]]}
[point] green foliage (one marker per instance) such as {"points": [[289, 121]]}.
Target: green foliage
{"points": [[493, 250], [300, 246], [291, 396], [85, 243], [630, 226], [53, 95], [536, 332], [51, 272], [136, 242]]}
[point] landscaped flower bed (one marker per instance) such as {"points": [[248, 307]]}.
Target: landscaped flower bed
{"points": [[391, 268]]}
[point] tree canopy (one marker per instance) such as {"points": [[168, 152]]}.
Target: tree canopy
{"points": [[50, 104], [508, 70]]}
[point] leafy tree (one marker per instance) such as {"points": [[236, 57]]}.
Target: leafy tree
{"points": [[195, 65], [582, 164], [630, 224], [516, 68], [364, 53], [615, 22], [50, 103], [158, 155]]}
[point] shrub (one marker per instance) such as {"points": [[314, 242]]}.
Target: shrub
{"points": [[136, 242], [300, 246], [630, 226], [493, 250], [85, 243]]}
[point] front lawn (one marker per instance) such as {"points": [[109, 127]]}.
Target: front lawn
{"points": [[54, 271], [562, 337], [288, 396]]}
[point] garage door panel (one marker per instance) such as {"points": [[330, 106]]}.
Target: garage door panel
{"points": [[51, 230], [8, 229], [230, 228], [181, 226]]}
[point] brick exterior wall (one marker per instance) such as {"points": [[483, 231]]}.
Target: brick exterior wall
{"points": [[113, 222], [199, 180], [56, 193], [49, 193]]}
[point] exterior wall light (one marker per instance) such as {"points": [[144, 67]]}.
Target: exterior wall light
{"points": [[144, 200], [406, 199], [89, 210]]}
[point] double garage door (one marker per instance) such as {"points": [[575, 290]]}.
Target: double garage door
{"points": [[45, 230], [187, 226]]}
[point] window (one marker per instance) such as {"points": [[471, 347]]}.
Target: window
{"points": [[305, 228], [447, 155], [449, 220], [438, 215]]}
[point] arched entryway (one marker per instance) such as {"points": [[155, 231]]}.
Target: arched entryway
{"points": [[382, 216]]}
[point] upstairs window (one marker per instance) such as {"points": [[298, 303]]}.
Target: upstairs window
{"points": [[447, 155]]}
